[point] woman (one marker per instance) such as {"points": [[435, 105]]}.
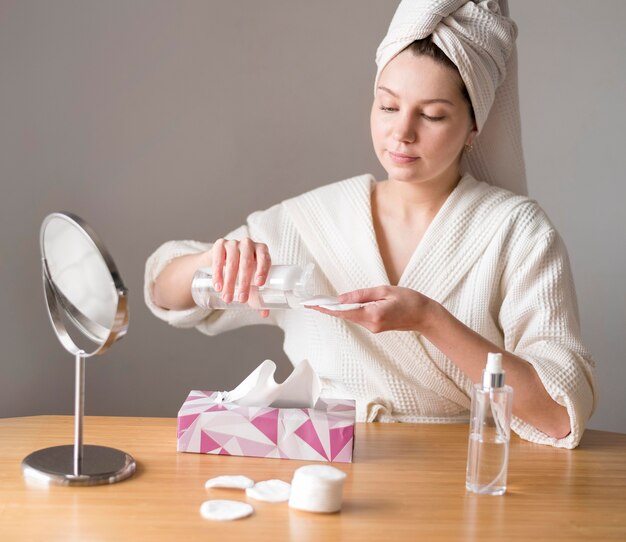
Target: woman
{"points": [[451, 267]]}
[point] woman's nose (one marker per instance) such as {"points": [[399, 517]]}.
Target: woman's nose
{"points": [[404, 131]]}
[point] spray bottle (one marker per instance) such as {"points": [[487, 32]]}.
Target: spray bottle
{"points": [[490, 431]]}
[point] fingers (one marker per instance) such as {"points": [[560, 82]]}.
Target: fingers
{"points": [[219, 257], [254, 265], [387, 308], [247, 266], [239, 263], [371, 317], [231, 267], [364, 295], [354, 314], [263, 263]]}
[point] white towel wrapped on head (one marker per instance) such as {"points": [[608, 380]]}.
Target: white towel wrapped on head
{"points": [[479, 38]]}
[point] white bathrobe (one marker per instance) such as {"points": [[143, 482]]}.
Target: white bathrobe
{"points": [[490, 257]]}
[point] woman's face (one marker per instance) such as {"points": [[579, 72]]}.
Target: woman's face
{"points": [[420, 120]]}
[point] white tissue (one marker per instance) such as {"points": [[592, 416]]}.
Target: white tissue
{"points": [[301, 389]]}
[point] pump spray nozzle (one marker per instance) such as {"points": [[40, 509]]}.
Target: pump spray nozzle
{"points": [[493, 377], [493, 374]]}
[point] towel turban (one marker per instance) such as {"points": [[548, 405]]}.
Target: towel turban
{"points": [[479, 38]]}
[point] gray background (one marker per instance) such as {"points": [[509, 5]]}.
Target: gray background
{"points": [[159, 120]]}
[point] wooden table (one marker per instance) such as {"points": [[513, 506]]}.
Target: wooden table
{"points": [[407, 483]]}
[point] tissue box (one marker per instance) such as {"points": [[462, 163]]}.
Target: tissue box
{"points": [[323, 433]]}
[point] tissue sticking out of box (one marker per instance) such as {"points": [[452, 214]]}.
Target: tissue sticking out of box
{"points": [[301, 389]]}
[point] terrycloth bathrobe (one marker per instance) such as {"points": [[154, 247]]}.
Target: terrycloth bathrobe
{"points": [[490, 257]]}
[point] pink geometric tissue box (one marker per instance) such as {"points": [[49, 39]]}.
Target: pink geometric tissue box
{"points": [[323, 433]]}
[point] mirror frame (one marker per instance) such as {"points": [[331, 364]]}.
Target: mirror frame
{"points": [[54, 297]]}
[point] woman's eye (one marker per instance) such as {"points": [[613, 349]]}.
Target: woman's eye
{"points": [[383, 108], [433, 119]]}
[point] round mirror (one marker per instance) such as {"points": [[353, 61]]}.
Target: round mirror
{"points": [[87, 304], [82, 284]]}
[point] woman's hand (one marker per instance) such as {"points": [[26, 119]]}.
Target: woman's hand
{"points": [[245, 262], [402, 309], [387, 308]]}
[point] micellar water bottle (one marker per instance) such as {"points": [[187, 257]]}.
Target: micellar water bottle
{"points": [[490, 431], [285, 287]]}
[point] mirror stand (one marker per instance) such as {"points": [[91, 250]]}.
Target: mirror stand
{"points": [[82, 287], [78, 464]]}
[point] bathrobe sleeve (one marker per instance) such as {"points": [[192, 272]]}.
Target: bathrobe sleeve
{"points": [[539, 318], [261, 226]]}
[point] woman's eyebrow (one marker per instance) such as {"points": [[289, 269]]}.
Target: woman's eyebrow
{"points": [[432, 100]]}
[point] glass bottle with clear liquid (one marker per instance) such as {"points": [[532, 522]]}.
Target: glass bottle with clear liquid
{"points": [[286, 286], [490, 431]]}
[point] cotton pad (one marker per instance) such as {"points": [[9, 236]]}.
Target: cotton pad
{"points": [[317, 300], [330, 303], [317, 488], [218, 510], [270, 491], [235, 482], [342, 306]]}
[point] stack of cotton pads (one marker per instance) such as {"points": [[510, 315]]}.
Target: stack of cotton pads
{"points": [[317, 488]]}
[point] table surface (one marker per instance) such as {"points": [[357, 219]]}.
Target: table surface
{"points": [[407, 481]]}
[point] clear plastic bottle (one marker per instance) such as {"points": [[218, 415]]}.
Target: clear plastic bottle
{"points": [[490, 431], [286, 286]]}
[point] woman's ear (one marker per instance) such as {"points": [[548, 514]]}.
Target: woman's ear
{"points": [[472, 135]]}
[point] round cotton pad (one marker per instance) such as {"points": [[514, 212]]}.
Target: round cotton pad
{"points": [[219, 510], [235, 482], [320, 300], [270, 491], [343, 306]]}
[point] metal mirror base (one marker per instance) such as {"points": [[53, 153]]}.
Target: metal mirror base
{"points": [[98, 465]]}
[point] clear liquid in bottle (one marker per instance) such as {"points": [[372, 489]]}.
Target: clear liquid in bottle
{"points": [[285, 287], [488, 464], [490, 432]]}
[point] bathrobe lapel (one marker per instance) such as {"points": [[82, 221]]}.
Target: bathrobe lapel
{"points": [[335, 224]]}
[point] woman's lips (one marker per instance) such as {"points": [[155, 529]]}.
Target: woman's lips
{"points": [[400, 158]]}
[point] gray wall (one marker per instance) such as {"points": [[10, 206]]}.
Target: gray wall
{"points": [[158, 120]]}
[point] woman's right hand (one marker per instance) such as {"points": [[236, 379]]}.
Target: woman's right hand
{"points": [[245, 262]]}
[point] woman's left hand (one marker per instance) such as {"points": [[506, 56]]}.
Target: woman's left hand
{"points": [[387, 308]]}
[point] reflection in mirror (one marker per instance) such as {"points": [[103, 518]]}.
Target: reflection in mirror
{"points": [[83, 280], [81, 277], [87, 304]]}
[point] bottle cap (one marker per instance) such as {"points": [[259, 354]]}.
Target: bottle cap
{"points": [[493, 375]]}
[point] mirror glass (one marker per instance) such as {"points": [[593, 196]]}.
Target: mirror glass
{"points": [[83, 286], [81, 277]]}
